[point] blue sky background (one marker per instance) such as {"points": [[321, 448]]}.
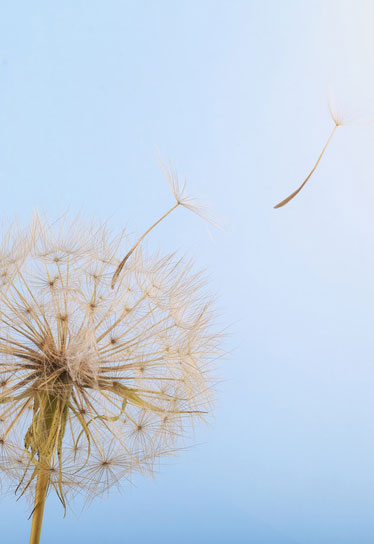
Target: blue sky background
{"points": [[234, 92]]}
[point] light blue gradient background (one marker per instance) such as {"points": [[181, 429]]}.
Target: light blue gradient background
{"points": [[235, 93]]}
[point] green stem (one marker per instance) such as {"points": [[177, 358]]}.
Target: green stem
{"points": [[43, 439], [40, 496]]}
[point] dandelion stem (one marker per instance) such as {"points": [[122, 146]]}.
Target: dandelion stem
{"points": [[291, 196], [47, 431], [123, 262], [40, 496]]}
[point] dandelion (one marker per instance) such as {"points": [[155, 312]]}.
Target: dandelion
{"points": [[103, 366]]}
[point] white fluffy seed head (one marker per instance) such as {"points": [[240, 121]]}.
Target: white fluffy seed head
{"points": [[96, 382]]}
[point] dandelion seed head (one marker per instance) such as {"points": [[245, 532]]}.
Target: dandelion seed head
{"points": [[96, 383]]}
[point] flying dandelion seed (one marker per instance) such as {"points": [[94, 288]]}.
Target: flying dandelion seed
{"points": [[103, 366], [338, 122]]}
